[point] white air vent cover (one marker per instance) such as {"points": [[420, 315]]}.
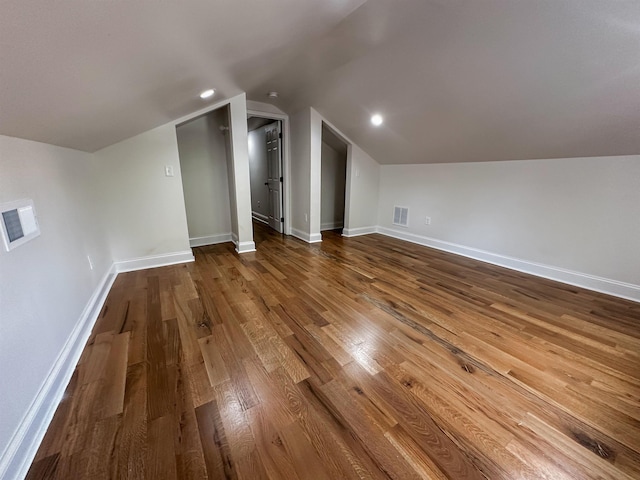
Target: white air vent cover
{"points": [[401, 216], [19, 223]]}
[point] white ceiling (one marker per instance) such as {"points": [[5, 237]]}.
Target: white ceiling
{"points": [[456, 80], [88, 73]]}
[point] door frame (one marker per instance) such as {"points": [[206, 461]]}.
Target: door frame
{"points": [[286, 162], [275, 175]]}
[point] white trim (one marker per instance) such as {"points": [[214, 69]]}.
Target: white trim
{"points": [[304, 236], [23, 445], [331, 225], [355, 232], [153, 261], [210, 240], [260, 217], [203, 111], [245, 247], [609, 286], [337, 132]]}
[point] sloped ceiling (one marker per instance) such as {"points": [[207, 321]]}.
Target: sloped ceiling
{"points": [[88, 73], [456, 80]]}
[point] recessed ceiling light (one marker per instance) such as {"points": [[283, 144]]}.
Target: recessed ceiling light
{"points": [[207, 93], [273, 95], [376, 119]]}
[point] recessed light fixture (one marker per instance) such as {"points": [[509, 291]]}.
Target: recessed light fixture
{"points": [[376, 119], [207, 93], [273, 94]]}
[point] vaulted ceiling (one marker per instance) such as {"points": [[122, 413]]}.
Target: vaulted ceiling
{"points": [[456, 80]]}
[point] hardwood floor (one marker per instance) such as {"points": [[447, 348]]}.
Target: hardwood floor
{"points": [[356, 358]]}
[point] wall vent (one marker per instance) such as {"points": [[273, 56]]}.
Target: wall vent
{"points": [[18, 223], [401, 216]]}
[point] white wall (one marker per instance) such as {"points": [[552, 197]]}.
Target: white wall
{"points": [[306, 172], [241, 191], [333, 183], [203, 165], [259, 172], [363, 179], [300, 173], [144, 210], [579, 215], [46, 283], [231, 178], [315, 156]]}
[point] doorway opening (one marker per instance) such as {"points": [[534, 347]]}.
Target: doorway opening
{"points": [[206, 166], [266, 171], [333, 180]]}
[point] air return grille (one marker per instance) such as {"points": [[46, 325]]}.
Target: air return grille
{"points": [[18, 223], [401, 216]]}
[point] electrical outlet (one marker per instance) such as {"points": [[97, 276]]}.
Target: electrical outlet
{"points": [[90, 262], [427, 221], [258, 203], [168, 171], [306, 218]]}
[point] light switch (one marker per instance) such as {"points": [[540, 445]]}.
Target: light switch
{"points": [[168, 171]]}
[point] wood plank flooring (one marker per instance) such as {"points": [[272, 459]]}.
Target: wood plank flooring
{"points": [[361, 358]]}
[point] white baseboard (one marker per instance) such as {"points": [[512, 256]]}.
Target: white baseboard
{"points": [[300, 234], [354, 232], [245, 247], [154, 261], [19, 453], [315, 238], [331, 226], [260, 217], [616, 288], [210, 240], [309, 238]]}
